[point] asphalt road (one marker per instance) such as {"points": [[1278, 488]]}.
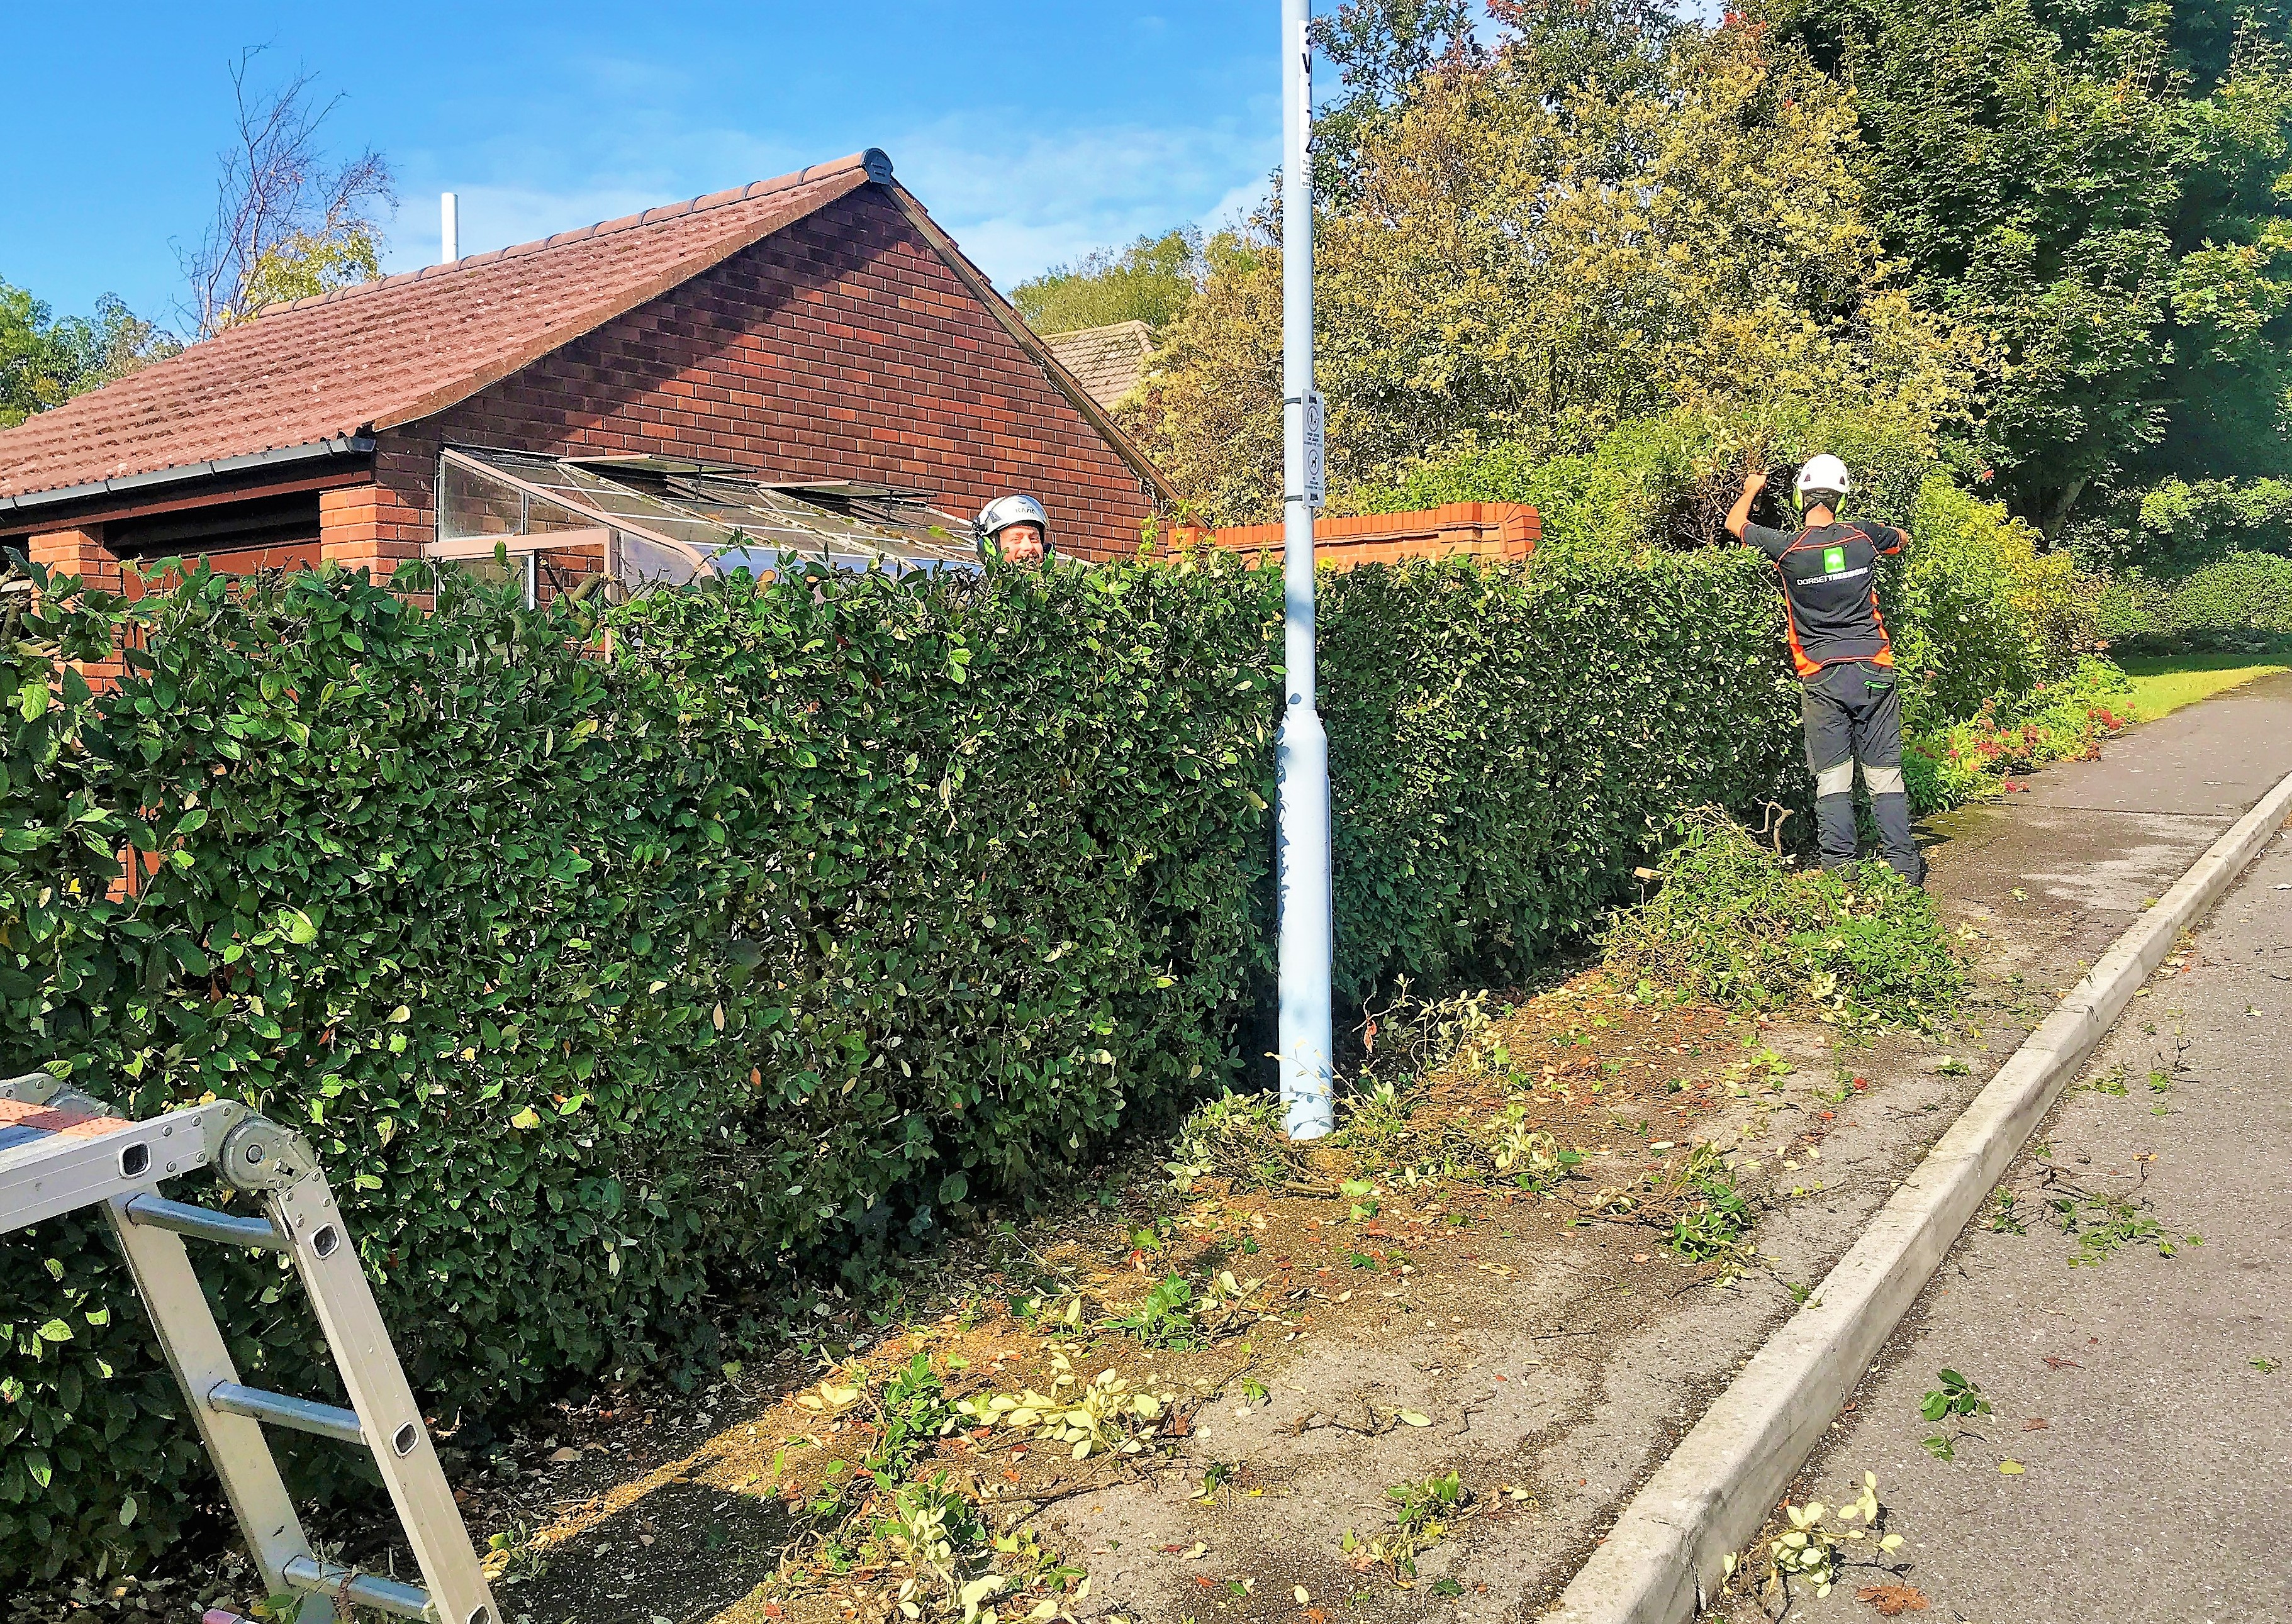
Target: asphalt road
{"points": [[2137, 1465]]}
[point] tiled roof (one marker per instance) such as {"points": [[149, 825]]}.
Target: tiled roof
{"points": [[406, 347], [1108, 361]]}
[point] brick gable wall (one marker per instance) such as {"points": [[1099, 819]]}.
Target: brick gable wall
{"points": [[840, 347]]}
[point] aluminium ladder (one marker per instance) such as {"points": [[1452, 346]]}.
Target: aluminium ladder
{"points": [[62, 1151]]}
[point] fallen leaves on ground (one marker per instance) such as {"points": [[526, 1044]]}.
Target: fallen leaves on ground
{"points": [[1893, 1601]]}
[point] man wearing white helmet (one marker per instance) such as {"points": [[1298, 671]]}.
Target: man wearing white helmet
{"points": [[1014, 529], [1845, 660]]}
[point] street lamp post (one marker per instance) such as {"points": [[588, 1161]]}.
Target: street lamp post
{"points": [[1302, 752]]}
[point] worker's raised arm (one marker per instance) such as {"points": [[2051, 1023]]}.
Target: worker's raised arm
{"points": [[1755, 480]]}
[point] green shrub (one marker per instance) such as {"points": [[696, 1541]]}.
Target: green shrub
{"points": [[617, 995], [2245, 591], [2244, 599], [1509, 742], [2130, 606], [1584, 504], [1948, 766], [1735, 923], [1978, 616]]}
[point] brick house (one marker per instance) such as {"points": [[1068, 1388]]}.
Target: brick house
{"points": [[814, 345]]}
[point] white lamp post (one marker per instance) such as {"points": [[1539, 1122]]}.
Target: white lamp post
{"points": [[1302, 752]]}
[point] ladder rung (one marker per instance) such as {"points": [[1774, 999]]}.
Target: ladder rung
{"points": [[301, 1414], [365, 1589], [206, 1223]]}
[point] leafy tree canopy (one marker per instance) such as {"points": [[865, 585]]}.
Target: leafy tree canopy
{"points": [[307, 263], [1593, 223], [46, 360], [2106, 188], [1151, 281]]}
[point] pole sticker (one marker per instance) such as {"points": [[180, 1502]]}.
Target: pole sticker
{"points": [[1317, 471]]}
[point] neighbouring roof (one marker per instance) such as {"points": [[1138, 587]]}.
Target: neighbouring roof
{"points": [[388, 352], [1106, 361], [311, 377]]}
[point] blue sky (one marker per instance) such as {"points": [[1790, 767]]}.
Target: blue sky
{"points": [[1032, 129]]}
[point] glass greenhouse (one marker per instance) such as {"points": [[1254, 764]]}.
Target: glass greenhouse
{"points": [[556, 522]]}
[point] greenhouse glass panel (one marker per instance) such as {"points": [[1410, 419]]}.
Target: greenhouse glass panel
{"points": [[673, 519]]}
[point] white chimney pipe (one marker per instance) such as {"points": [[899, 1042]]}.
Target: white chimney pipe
{"points": [[450, 228]]}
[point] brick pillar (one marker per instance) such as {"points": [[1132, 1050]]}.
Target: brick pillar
{"points": [[78, 552], [369, 526], [81, 552], [1522, 529]]}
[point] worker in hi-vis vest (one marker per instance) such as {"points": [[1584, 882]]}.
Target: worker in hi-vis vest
{"points": [[1848, 697]]}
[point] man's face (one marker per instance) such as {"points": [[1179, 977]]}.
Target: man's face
{"points": [[1020, 544]]}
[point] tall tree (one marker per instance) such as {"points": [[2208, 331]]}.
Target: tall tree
{"points": [[2104, 186], [1586, 230], [1381, 50], [1151, 281], [289, 221]]}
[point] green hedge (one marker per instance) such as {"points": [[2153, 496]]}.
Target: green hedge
{"points": [[2245, 591], [606, 990], [1506, 745], [623, 997], [2243, 596]]}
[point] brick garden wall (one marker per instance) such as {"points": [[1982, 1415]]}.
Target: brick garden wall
{"points": [[1494, 530], [841, 347]]}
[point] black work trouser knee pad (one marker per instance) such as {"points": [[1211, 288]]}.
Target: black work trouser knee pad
{"points": [[1854, 714]]}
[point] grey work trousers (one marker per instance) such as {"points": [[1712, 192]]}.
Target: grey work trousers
{"points": [[1853, 712]]}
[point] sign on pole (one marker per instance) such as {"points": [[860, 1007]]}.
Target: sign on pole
{"points": [[1317, 477]]}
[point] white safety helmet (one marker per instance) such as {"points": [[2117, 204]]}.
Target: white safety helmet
{"points": [[1823, 472], [1000, 514]]}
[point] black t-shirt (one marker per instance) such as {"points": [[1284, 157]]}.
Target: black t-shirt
{"points": [[1830, 590]]}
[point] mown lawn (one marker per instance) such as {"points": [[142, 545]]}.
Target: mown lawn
{"points": [[2163, 683]]}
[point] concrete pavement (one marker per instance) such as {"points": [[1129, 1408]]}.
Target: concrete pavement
{"points": [[2146, 1399]]}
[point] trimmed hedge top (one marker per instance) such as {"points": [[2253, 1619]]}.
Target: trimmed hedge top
{"points": [[624, 996]]}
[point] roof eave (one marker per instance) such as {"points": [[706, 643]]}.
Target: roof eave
{"points": [[182, 473]]}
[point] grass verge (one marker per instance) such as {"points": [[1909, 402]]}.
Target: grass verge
{"points": [[2163, 684]]}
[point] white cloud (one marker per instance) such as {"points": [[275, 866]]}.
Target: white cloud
{"points": [[1020, 201], [1236, 207]]}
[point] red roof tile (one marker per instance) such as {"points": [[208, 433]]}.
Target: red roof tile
{"points": [[400, 348]]}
